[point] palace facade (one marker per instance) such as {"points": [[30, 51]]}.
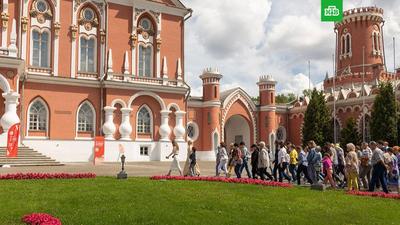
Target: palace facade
{"points": [[71, 70]]}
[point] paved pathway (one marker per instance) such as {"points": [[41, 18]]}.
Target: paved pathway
{"points": [[111, 169]]}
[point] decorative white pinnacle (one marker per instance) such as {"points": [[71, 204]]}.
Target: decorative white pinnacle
{"points": [[126, 63], [266, 78], [179, 69], [109, 62], [165, 68], [211, 70], [12, 48]]}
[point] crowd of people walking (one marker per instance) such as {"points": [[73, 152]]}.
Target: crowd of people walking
{"points": [[365, 167], [358, 167]]}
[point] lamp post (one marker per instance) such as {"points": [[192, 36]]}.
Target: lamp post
{"points": [[122, 174]]}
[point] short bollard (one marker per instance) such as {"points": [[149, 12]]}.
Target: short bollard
{"points": [[122, 174]]}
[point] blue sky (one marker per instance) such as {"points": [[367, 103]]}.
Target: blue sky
{"points": [[246, 39]]}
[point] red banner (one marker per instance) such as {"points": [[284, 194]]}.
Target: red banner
{"points": [[98, 147], [12, 140]]}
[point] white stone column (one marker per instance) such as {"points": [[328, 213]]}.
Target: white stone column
{"points": [[10, 116], [179, 129], [164, 128], [125, 129], [109, 126]]}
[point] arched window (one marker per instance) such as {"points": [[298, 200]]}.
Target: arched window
{"points": [[348, 44], [88, 40], [192, 131], [86, 118], [145, 61], [38, 116], [87, 54], [41, 20], [365, 131], [144, 120], [40, 49], [146, 42], [281, 134]]}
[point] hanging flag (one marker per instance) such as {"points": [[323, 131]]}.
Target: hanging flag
{"points": [[98, 148], [12, 140]]}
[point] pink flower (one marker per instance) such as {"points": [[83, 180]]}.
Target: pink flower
{"points": [[40, 219], [374, 194], [225, 180], [30, 176]]}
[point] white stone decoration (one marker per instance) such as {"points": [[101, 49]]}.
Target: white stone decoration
{"points": [[109, 126], [10, 116], [125, 129], [12, 48], [165, 71], [126, 65], [109, 65], [179, 129], [179, 72], [164, 130]]}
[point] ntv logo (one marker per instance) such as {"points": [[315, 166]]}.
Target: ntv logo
{"points": [[332, 10]]}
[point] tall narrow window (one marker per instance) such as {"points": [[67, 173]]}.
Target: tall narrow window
{"points": [[85, 118], [145, 61], [37, 116], [144, 120], [343, 45], [87, 62], [40, 49], [348, 44]]}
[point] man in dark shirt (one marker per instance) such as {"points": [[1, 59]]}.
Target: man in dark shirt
{"points": [[254, 160], [192, 159]]}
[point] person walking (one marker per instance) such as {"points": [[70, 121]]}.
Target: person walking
{"points": [[237, 157], [231, 161], [393, 176], [365, 165], [352, 167], [245, 158], [327, 166], [275, 161], [217, 159], [186, 171], [192, 162], [223, 159], [175, 159], [293, 161], [302, 166], [283, 162], [378, 168], [264, 162], [254, 160], [311, 159]]}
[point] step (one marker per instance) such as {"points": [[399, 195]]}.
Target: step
{"points": [[26, 157], [36, 164]]}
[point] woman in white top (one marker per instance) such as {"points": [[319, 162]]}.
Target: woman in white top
{"points": [[223, 159], [175, 161], [186, 171]]}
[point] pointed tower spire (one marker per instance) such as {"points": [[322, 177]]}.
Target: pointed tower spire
{"points": [[126, 63]]}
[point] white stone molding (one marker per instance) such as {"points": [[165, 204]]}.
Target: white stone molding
{"points": [[164, 130], [109, 126], [125, 129], [126, 66], [110, 64], [10, 116], [179, 129], [4, 85], [165, 71], [179, 72], [77, 118], [174, 106], [151, 94], [4, 30], [151, 122], [47, 117], [118, 101], [12, 48]]}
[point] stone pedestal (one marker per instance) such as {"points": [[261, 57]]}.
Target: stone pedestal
{"points": [[164, 130], [179, 129], [125, 129], [109, 126], [10, 116]]}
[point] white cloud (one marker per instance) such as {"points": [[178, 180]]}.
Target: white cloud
{"points": [[298, 83]]}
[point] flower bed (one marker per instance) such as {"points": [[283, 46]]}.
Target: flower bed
{"points": [[374, 194], [225, 180], [40, 219], [34, 176]]}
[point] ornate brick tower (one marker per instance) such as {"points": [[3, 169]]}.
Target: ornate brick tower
{"points": [[361, 28], [211, 109], [267, 117]]}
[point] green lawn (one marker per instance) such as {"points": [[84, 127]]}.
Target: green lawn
{"points": [[142, 201]]}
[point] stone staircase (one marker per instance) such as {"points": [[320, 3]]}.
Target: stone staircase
{"points": [[26, 157]]}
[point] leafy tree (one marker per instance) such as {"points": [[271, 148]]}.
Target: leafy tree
{"points": [[384, 115], [307, 92], [282, 98], [349, 133], [317, 119]]}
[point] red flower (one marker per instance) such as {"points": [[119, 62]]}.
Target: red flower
{"points": [[225, 180], [374, 194], [30, 176], [40, 219]]}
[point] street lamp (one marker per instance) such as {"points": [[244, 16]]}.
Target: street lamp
{"points": [[122, 174]]}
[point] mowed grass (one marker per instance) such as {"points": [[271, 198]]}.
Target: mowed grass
{"points": [[106, 200]]}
